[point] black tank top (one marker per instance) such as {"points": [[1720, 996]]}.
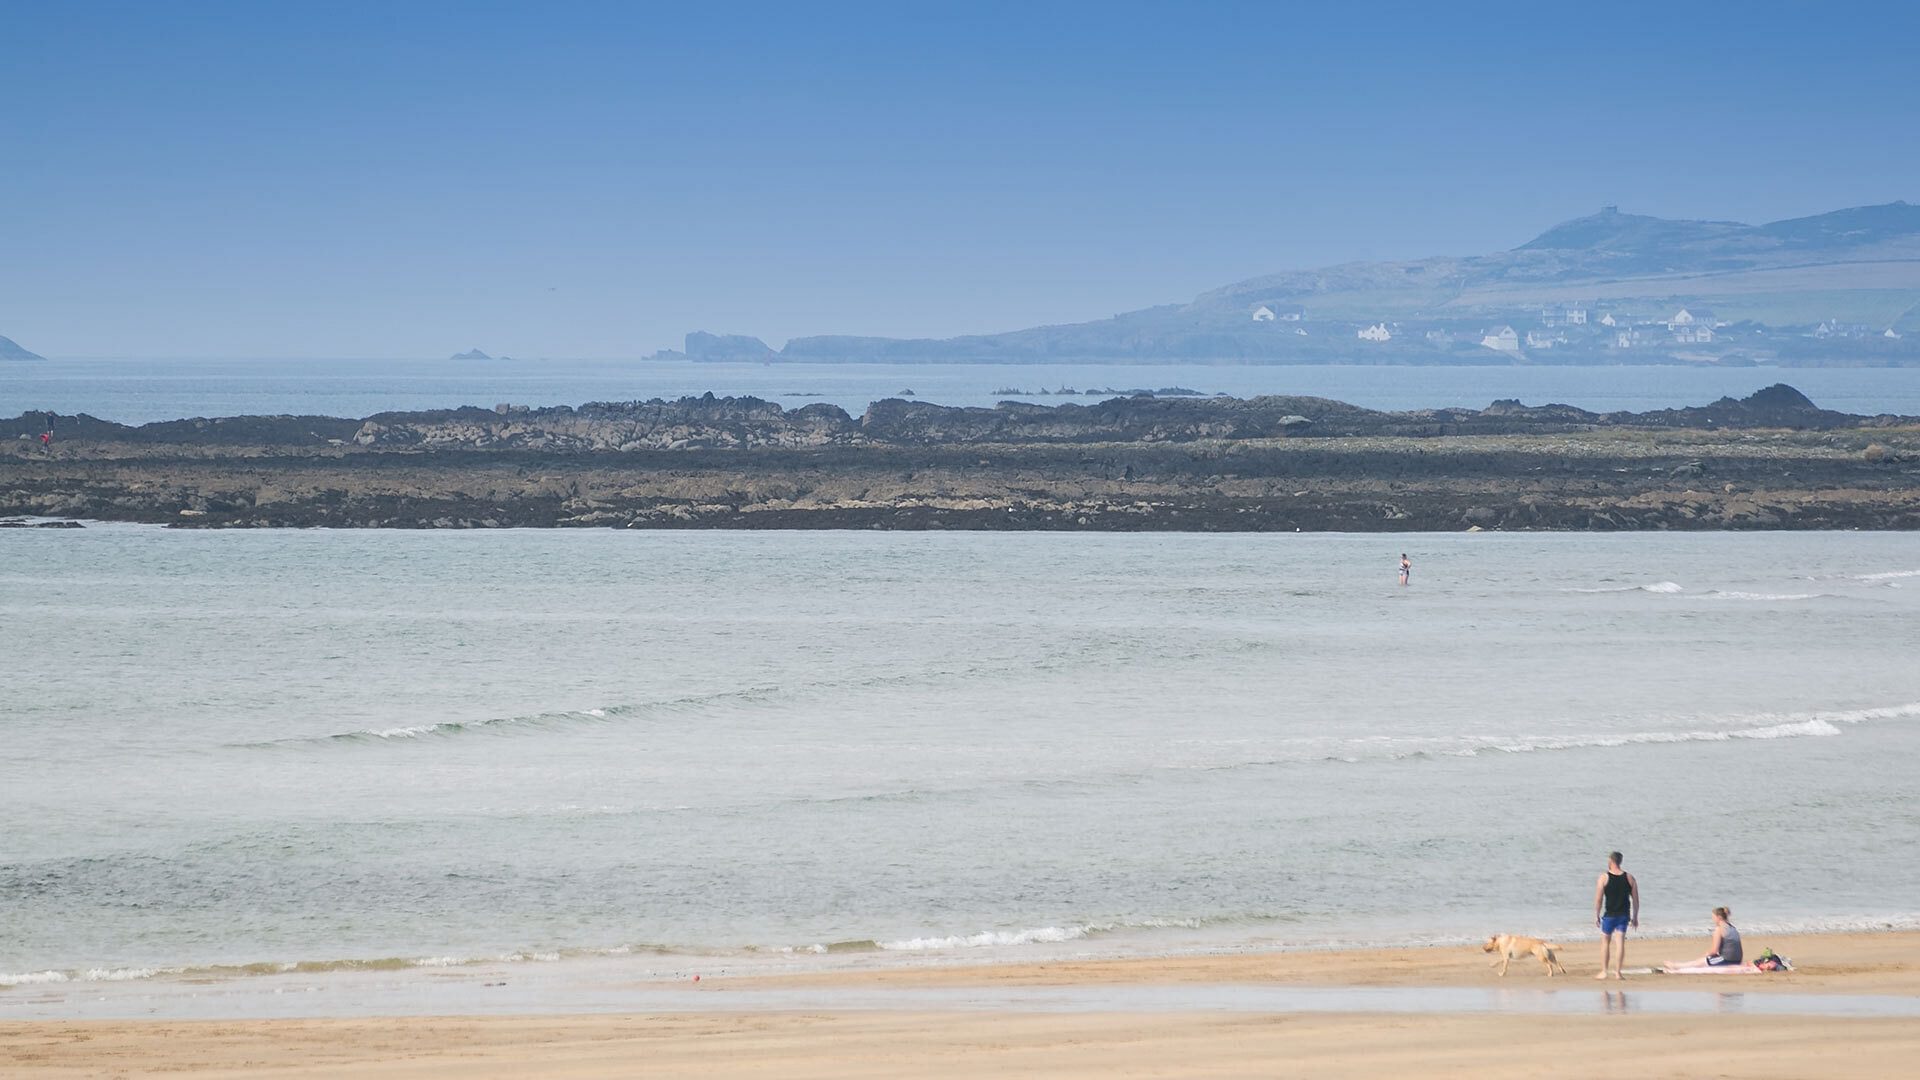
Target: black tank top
{"points": [[1617, 893]]}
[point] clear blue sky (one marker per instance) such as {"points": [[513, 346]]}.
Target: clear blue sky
{"points": [[586, 180]]}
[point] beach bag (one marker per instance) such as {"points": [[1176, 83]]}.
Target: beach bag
{"points": [[1770, 961]]}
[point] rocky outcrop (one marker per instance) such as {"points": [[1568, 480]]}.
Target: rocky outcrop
{"points": [[727, 347], [710, 422], [1590, 480]]}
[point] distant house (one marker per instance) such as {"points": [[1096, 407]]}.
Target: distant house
{"points": [[1279, 313], [1541, 339], [1502, 339], [1564, 315], [1891, 334], [1608, 320], [1439, 337], [1695, 334], [1377, 332], [1700, 317], [1263, 313]]}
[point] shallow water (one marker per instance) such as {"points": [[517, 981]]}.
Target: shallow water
{"points": [[591, 988], [263, 748]]}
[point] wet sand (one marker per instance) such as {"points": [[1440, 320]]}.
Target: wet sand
{"points": [[1623, 1027]]}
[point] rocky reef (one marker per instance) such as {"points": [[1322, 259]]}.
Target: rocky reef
{"points": [[1771, 460]]}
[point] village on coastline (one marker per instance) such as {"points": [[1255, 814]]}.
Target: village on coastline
{"points": [[1686, 332]]}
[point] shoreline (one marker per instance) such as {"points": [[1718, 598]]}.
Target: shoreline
{"points": [[1851, 1009], [1020, 958], [1773, 460]]}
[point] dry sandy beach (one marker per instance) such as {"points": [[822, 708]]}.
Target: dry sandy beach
{"points": [[1626, 1032]]}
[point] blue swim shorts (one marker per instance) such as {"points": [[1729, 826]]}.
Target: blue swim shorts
{"points": [[1613, 924]]}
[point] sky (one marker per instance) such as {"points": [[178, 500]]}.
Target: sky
{"points": [[596, 179]]}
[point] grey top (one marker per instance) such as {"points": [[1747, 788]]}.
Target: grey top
{"points": [[1730, 945]]}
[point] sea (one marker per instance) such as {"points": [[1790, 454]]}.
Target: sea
{"points": [[230, 755], [136, 391], [262, 751]]}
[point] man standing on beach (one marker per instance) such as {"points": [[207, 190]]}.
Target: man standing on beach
{"points": [[1616, 906]]}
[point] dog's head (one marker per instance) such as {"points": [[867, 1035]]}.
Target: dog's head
{"points": [[1492, 945]]}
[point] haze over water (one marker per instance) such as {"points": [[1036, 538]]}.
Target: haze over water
{"points": [[141, 391], [269, 747]]}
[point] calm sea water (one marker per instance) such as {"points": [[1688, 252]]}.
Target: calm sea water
{"points": [[138, 391], [268, 747]]}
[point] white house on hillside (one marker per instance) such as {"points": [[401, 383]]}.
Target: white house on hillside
{"points": [[1608, 320], [1377, 332], [1544, 339], [1279, 313], [1263, 313], [1693, 317], [1564, 315], [1502, 339]]}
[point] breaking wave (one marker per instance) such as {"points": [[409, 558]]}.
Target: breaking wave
{"points": [[1816, 725], [773, 693], [41, 978], [1039, 935], [1655, 587], [303, 967]]}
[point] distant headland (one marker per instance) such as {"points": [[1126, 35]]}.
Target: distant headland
{"points": [[1839, 289], [10, 350]]}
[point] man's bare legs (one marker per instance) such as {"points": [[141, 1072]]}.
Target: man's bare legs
{"points": [[1607, 955]]}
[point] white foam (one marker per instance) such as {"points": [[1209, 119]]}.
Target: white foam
{"points": [[1656, 587], [34, 978], [1719, 594], [1816, 725], [1887, 576], [1040, 935], [401, 732]]}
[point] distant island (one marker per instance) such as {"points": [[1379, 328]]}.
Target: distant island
{"points": [[1835, 289], [9, 350], [470, 354]]}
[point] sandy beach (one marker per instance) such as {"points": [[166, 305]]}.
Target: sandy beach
{"points": [[1626, 1027]]}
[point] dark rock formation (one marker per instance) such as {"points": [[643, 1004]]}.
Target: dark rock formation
{"points": [[746, 422], [1772, 460]]}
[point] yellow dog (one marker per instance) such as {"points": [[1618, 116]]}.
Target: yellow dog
{"points": [[1512, 945]]}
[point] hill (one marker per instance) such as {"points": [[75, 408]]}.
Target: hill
{"points": [[11, 351], [1609, 288]]}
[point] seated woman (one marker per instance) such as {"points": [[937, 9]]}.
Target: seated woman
{"points": [[1722, 952]]}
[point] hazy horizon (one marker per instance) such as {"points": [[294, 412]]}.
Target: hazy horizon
{"points": [[594, 182]]}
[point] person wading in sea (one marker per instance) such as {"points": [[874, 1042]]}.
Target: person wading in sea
{"points": [[1406, 568], [1616, 906]]}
